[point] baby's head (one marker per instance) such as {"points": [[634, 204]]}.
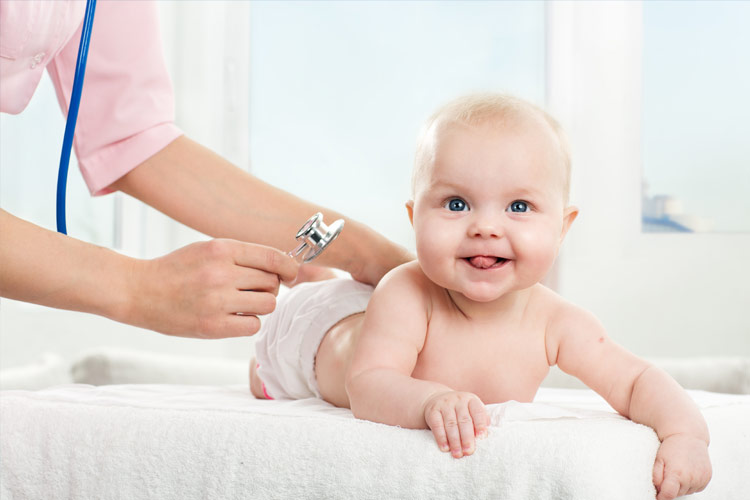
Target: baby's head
{"points": [[490, 193], [492, 110]]}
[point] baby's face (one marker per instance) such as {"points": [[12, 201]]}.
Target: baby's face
{"points": [[489, 212]]}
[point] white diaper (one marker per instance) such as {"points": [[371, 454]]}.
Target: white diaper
{"points": [[289, 337]]}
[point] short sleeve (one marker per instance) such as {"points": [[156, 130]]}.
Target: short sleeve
{"points": [[127, 103]]}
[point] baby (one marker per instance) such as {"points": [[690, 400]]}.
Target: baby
{"points": [[469, 323]]}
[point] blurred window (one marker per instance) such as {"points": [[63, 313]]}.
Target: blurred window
{"points": [[30, 145], [696, 71], [339, 90]]}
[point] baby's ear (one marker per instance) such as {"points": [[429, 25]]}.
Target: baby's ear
{"points": [[569, 215], [410, 210]]}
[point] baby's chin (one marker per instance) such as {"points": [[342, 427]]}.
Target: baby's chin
{"points": [[480, 292]]}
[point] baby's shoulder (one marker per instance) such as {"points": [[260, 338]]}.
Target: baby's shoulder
{"points": [[407, 276], [556, 312], [408, 288], [563, 318], [401, 298], [406, 282]]}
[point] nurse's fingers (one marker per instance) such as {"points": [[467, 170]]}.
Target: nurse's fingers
{"points": [[196, 291], [235, 325], [251, 303], [256, 280], [264, 258]]}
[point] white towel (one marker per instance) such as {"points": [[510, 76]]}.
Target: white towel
{"points": [[198, 442]]}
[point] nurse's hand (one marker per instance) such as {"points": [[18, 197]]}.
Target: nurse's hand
{"points": [[211, 289]]}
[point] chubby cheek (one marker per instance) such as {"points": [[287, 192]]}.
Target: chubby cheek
{"points": [[535, 252], [436, 249]]}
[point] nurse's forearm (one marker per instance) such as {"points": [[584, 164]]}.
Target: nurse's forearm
{"points": [[197, 187], [196, 291], [47, 268]]}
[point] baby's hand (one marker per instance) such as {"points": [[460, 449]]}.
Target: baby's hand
{"points": [[682, 466], [456, 418]]}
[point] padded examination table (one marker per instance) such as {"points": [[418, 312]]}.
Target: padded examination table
{"points": [[198, 442]]}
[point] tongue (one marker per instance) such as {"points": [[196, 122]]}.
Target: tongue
{"points": [[483, 262]]}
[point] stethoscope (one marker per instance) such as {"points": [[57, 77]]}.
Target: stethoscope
{"points": [[70, 123], [314, 235]]}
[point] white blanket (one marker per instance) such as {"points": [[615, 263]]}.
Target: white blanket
{"points": [[198, 442]]}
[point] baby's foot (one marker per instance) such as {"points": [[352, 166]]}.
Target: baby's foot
{"points": [[256, 384]]}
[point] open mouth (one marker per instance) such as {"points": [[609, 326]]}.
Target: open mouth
{"points": [[485, 261]]}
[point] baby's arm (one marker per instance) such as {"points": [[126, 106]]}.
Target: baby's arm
{"points": [[577, 342], [379, 381]]}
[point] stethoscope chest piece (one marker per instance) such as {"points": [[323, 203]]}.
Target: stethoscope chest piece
{"points": [[315, 236]]}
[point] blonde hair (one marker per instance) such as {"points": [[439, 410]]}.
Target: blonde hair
{"points": [[478, 109]]}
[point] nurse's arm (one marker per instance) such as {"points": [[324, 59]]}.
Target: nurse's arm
{"points": [[47, 268], [195, 291], [199, 188]]}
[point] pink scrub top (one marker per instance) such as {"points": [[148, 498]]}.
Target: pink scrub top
{"points": [[127, 104]]}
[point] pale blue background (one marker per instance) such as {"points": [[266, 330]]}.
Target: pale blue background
{"points": [[696, 107]]}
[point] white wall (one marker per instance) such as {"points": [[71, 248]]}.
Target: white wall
{"points": [[658, 294]]}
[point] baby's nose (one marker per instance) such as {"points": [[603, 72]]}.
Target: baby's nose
{"points": [[486, 228]]}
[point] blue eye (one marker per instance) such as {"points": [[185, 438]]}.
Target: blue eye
{"points": [[518, 207], [456, 205]]}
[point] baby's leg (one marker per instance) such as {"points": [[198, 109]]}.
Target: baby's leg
{"points": [[333, 359]]}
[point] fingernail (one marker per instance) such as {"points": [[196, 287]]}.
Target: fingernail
{"points": [[444, 448], [482, 434]]}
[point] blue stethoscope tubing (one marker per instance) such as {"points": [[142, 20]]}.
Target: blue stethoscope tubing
{"points": [[70, 124]]}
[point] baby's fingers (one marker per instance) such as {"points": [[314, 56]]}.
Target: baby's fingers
{"points": [[480, 418], [658, 473], [434, 421], [452, 431], [455, 420], [465, 429], [670, 488]]}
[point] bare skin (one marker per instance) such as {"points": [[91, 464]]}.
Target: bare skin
{"points": [[208, 193]]}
